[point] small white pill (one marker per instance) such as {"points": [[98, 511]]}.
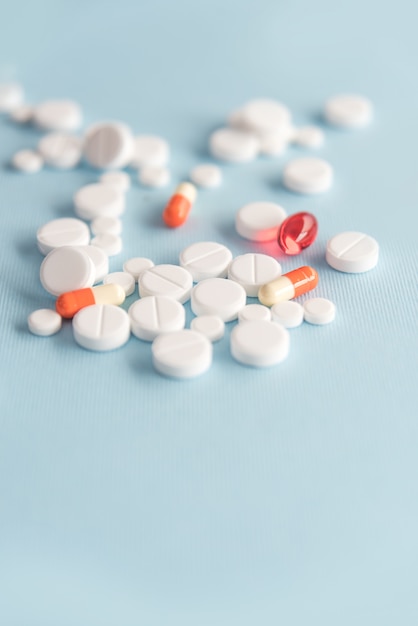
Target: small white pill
{"points": [[108, 145], [11, 96], [111, 244], [101, 225], [274, 144], [182, 354], [154, 315], [309, 137], [348, 111], [22, 114], [319, 311], [60, 150], [67, 269], [289, 314], [206, 175], [66, 231], [206, 259], [237, 146], [150, 151], [100, 261], [308, 175], [101, 327], [166, 280], [253, 270], [136, 266], [98, 200], [264, 114], [27, 161], [61, 115], [209, 325], [120, 180], [218, 296], [259, 221], [253, 312], [352, 252], [259, 343], [154, 176], [44, 322], [125, 280]]}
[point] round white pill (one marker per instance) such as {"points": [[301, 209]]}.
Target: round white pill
{"points": [[154, 315], [44, 322], [150, 151], [125, 280], [101, 327], [22, 114], [111, 244], [206, 259], [182, 354], [27, 161], [60, 150], [253, 270], [308, 175], [309, 137], [253, 312], [120, 180], [101, 225], [100, 261], [166, 280], [218, 296], [154, 176], [259, 221], [67, 269], [274, 144], [352, 252], [62, 115], [98, 200], [265, 115], [66, 231], [289, 314], [319, 311], [136, 266], [206, 175], [237, 146], [259, 343], [108, 145], [348, 111], [11, 96], [209, 325]]}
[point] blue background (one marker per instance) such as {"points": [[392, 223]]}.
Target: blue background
{"points": [[278, 496]]}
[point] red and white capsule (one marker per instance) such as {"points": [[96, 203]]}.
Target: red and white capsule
{"points": [[178, 208], [69, 303], [288, 286]]}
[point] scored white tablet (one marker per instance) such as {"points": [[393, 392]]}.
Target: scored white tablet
{"points": [[206, 259], [253, 270], [166, 280], [153, 315], [352, 252], [101, 327], [182, 354], [66, 231]]}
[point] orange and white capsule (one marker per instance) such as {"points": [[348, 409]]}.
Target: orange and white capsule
{"points": [[178, 208], [288, 286], [69, 303]]}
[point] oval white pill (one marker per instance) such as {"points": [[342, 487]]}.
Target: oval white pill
{"points": [[27, 161], [259, 343], [22, 114], [98, 200], [209, 325], [101, 327], [259, 221], [108, 145], [252, 312], [206, 259], [120, 180], [104, 224], [66, 231], [309, 137], [62, 115], [352, 252], [265, 115], [182, 354], [319, 311], [237, 146], [60, 150], [289, 314], [206, 175], [166, 280], [137, 265], [100, 261], [125, 280], [308, 175], [44, 322], [348, 111], [66, 269], [111, 244], [153, 315], [150, 151], [218, 296], [253, 270], [154, 176]]}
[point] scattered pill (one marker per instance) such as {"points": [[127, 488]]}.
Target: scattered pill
{"points": [[253, 270], [60, 150], [111, 244], [252, 312], [265, 115], [287, 313], [259, 221], [348, 111], [178, 208], [273, 144], [297, 232], [154, 315], [166, 280], [11, 97], [101, 327], [206, 175], [120, 180], [206, 259], [288, 286], [66, 231], [154, 176], [150, 151], [319, 311], [308, 175], [182, 354], [218, 296], [100, 261], [27, 161], [66, 269], [309, 137], [259, 343], [136, 266], [61, 115], [125, 280], [22, 114], [209, 325], [108, 145], [44, 322], [69, 303], [104, 224], [237, 146], [352, 252], [98, 200]]}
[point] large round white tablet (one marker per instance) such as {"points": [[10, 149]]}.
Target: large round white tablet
{"points": [[100, 261], [44, 322], [309, 137], [206, 175], [66, 231], [253, 270], [111, 244], [289, 314], [60, 150], [22, 114], [27, 161], [319, 311], [308, 175], [125, 280], [97, 200], [151, 151], [182, 354], [154, 315], [206, 259], [209, 325], [120, 180], [265, 115], [352, 252], [252, 312], [259, 221], [259, 343], [218, 296], [137, 265], [101, 327], [348, 111], [151, 176], [101, 225], [237, 146], [108, 145], [62, 115], [67, 269], [166, 280]]}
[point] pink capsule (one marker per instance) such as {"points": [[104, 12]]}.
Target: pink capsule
{"points": [[297, 232]]}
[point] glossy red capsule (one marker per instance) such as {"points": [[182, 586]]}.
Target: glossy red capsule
{"points": [[297, 232]]}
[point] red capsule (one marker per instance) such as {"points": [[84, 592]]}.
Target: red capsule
{"points": [[297, 232]]}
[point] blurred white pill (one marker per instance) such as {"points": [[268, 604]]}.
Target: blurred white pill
{"points": [[100, 261], [136, 266], [264, 114], [60, 115], [206, 175], [154, 315], [104, 224], [108, 145], [11, 96], [259, 221], [98, 200], [253, 312], [308, 175], [237, 146], [150, 151], [66, 231], [319, 311], [154, 176], [166, 280], [67, 269], [352, 252], [111, 244], [125, 280], [120, 180], [61, 150], [27, 161], [182, 354], [348, 111], [212, 326], [44, 322], [101, 327], [289, 313], [309, 137], [22, 114]]}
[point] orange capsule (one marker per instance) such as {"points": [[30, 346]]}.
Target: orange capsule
{"points": [[69, 303], [178, 208], [288, 286]]}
